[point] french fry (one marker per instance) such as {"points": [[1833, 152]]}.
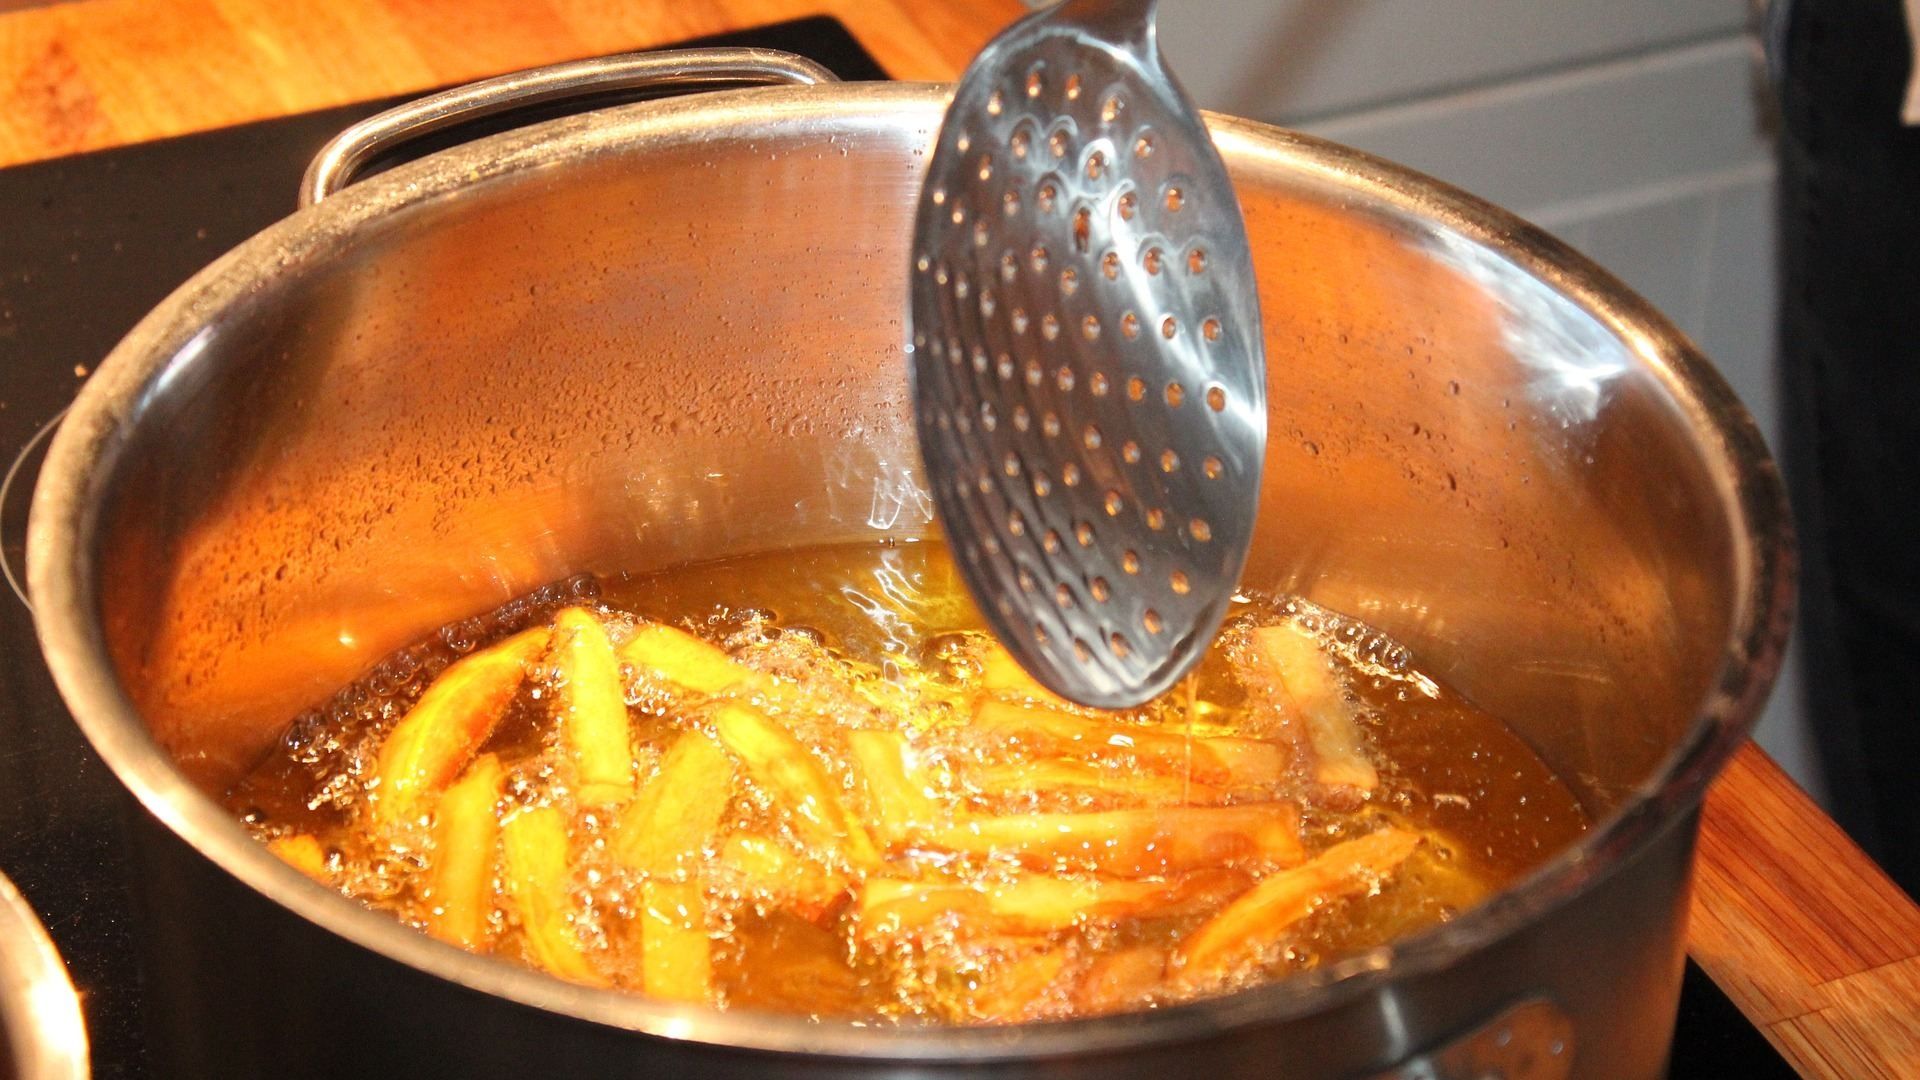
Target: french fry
{"points": [[1130, 843], [1222, 761], [1265, 912], [1000, 673], [535, 845], [1032, 903], [679, 658], [465, 833], [897, 795], [664, 834], [303, 853], [669, 825], [591, 707], [797, 783], [676, 961], [1015, 988], [759, 868], [446, 727], [1121, 980], [1296, 659], [1081, 779]]}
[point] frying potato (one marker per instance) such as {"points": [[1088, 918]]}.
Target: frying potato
{"points": [[591, 706], [797, 783], [897, 794], [1130, 843], [446, 727], [760, 869], [1121, 980], [1278, 902], [1222, 761], [1102, 783], [303, 853], [669, 825], [535, 845], [664, 834], [1001, 674], [677, 657], [676, 961], [1017, 988], [1032, 903], [466, 830], [1300, 665]]}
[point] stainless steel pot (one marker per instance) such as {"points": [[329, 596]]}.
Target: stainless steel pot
{"points": [[671, 331]]}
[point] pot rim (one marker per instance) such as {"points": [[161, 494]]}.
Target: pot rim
{"points": [[62, 535]]}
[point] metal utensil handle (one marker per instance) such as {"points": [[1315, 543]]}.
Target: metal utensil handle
{"points": [[682, 70]]}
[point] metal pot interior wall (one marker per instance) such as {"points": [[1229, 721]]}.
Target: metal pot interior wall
{"points": [[623, 351]]}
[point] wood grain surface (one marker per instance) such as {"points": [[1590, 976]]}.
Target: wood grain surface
{"points": [[1802, 931], [89, 74]]}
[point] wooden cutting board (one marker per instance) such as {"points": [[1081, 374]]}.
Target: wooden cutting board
{"points": [[1790, 918]]}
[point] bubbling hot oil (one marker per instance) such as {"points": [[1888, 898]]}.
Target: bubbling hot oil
{"points": [[884, 638]]}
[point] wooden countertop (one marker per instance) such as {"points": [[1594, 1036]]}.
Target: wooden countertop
{"points": [[87, 74], [1801, 930]]}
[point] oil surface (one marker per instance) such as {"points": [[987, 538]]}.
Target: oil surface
{"points": [[1262, 787]]}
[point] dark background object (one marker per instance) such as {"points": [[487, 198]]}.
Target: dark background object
{"points": [[1850, 341], [94, 242]]}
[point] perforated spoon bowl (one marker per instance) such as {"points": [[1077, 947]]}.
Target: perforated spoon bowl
{"points": [[1089, 383]]}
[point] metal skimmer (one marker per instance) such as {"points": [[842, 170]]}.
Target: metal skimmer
{"points": [[1088, 379]]}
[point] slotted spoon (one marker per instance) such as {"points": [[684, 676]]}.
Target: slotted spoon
{"points": [[1089, 386]]}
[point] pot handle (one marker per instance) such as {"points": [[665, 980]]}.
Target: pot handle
{"points": [[672, 71]]}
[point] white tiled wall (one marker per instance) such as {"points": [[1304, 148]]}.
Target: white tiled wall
{"points": [[1631, 128]]}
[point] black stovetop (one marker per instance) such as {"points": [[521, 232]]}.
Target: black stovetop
{"points": [[87, 245]]}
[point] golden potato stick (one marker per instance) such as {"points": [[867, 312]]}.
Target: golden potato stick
{"points": [[446, 727], [590, 704], [914, 709], [1223, 761], [1121, 980], [1106, 783], [1000, 673], [675, 962], [1032, 903], [664, 834], [1333, 730], [669, 825], [466, 832], [304, 854], [796, 782], [1017, 988], [759, 869], [897, 794], [535, 845], [1131, 843], [1265, 912], [685, 661]]}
